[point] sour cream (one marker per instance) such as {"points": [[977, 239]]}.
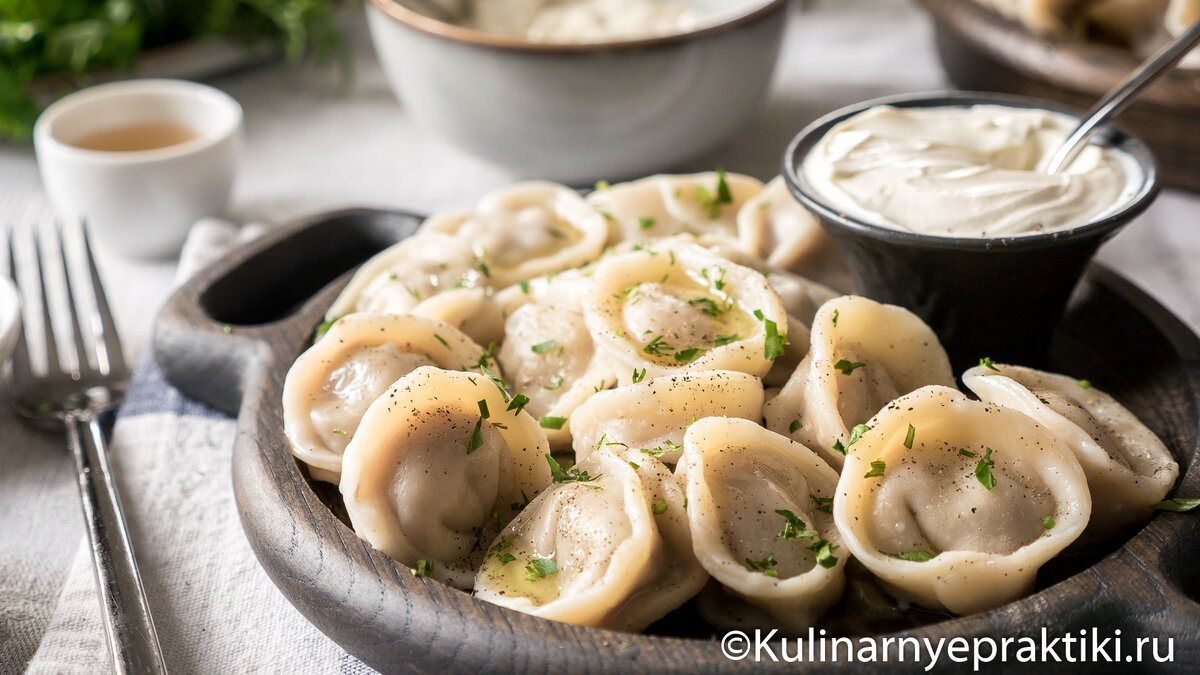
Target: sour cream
{"points": [[581, 21], [964, 171]]}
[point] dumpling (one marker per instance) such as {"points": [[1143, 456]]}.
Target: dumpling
{"points": [[777, 229], [525, 230], [759, 508], [579, 551], [474, 311], [863, 354], [801, 297], [955, 504], [665, 205], [1128, 468], [329, 386], [548, 353], [439, 462], [398, 278], [651, 417], [677, 307]]}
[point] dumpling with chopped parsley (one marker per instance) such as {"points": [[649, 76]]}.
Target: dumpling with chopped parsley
{"points": [[954, 504], [862, 354], [477, 312], [677, 307], [548, 354], [1128, 468], [759, 509], [665, 204], [525, 230], [330, 386], [440, 460], [650, 417], [580, 550], [398, 278], [774, 227]]}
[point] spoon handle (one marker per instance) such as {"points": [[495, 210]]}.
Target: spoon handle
{"points": [[1122, 95]]}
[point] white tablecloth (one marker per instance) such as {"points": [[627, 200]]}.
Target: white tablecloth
{"points": [[312, 148]]}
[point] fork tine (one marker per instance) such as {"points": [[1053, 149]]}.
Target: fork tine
{"points": [[81, 362], [22, 369], [53, 365], [109, 357]]}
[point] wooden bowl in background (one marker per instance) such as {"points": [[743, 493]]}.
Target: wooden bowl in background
{"points": [[981, 50]]}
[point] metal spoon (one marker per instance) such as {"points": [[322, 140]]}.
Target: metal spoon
{"points": [[1122, 95]]}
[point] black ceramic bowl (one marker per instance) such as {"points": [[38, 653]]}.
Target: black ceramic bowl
{"points": [[998, 297]]}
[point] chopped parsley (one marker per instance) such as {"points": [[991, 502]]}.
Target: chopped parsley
{"points": [[773, 342], [824, 551], [877, 468], [1048, 523], [645, 223], [518, 403], [706, 305], [548, 422], [847, 367], [920, 555], [556, 383], [857, 433], [635, 466], [476, 439], [988, 363], [539, 568], [793, 527], [912, 434], [764, 565], [543, 347], [639, 376], [657, 347], [794, 426], [967, 453], [340, 432], [324, 326], [483, 409], [1177, 505], [659, 507], [823, 504], [413, 292], [838, 447], [571, 474], [1084, 384], [711, 202], [424, 568], [506, 558], [835, 317], [983, 470], [524, 286], [602, 185], [688, 355], [722, 340], [442, 340]]}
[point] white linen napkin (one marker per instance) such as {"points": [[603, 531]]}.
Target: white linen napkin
{"points": [[214, 608]]}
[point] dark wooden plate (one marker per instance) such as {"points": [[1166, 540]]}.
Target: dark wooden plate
{"points": [[981, 50], [229, 336]]}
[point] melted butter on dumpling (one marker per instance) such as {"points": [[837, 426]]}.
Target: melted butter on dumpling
{"points": [[955, 504], [330, 386]]}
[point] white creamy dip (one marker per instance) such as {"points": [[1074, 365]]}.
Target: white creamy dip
{"points": [[584, 20], [964, 172]]}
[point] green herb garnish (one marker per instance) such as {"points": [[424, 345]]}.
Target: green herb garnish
{"points": [[823, 504], [722, 340], [543, 347], [556, 383], [857, 433], [548, 422], [424, 568], [1048, 523], [639, 376], [645, 222], [912, 434], [877, 468], [847, 367], [1177, 505], [324, 326], [920, 555], [764, 565], [824, 551], [539, 568], [659, 507], [476, 439], [1084, 384], [794, 426], [688, 355], [793, 527], [518, 403], [657, 347], [983, 470], [988, 363]]}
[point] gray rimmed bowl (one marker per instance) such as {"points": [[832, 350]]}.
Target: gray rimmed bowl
{"points": [[578, 113], [999, 297]]}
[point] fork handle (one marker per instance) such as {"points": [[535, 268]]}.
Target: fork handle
{"points": [[128, 627]]}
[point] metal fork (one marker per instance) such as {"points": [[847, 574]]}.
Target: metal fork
{"points": [[72, 393]]}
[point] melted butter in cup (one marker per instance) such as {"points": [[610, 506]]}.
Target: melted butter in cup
{"points": [[973, 171]]}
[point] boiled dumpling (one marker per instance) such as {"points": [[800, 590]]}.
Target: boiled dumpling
{"points": [[439, 462], [579, 551], [955, 504], [398, 278], [651, 417], [1128, 468], [777, 229], [474, 311], [665, 205], [759, 506], [525, 230], [677, 307], [548, 354], [863, 354], [329, 387]]}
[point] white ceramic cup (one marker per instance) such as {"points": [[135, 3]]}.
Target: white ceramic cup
{"points": [[141, 202]]}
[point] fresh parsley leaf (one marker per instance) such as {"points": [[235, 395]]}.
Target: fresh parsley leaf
{"points": [[988, 363], [920, 555], [688, 355], [539, 568], [645, 222], [912, 434], [639, 376], [518, 403], [793, 527], [548, 422], [835, 317], [857, 433], [602, 185], [847, 367], [571, 474], [707, 306], [1084, 384], [794, 426], [838, 447], [877, 468], [657, 347], [476, 439], [824, 551], [983, 470], [1048, 523], [483, 409], [764, 565], [340, 432], [967, 453], [524, 286], [424, 568], [659, 507], [1177, 505], [543, 347], [823, 504], [506, 558], [324, 326], [773, 342], [722, 340]]}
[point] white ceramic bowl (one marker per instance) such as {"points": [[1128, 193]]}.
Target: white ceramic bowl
{"points": [[10, 318], [582, 112], [141, 202]]}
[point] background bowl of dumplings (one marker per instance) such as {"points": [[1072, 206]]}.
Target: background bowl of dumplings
{"points": [[1072, 53], [582, 112], [676, 407]]}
